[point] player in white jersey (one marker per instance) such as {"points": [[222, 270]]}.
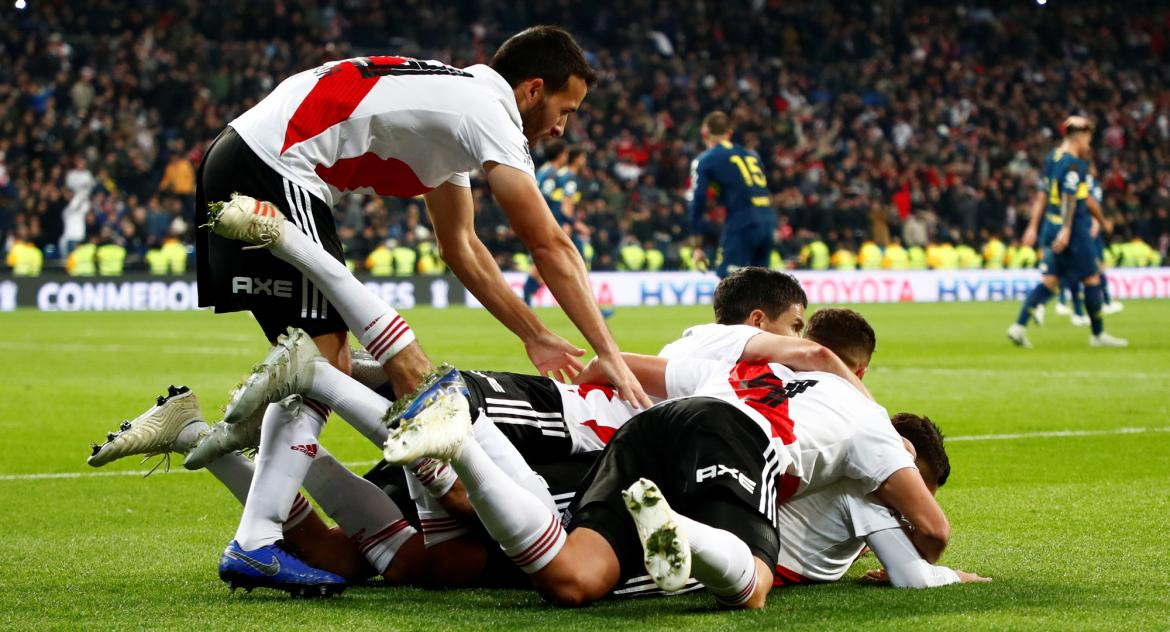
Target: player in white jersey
{"points": [[392, 126]]}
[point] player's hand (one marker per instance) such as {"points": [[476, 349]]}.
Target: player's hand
{"points": [[878, 575], [1061, 241], [554, 356], [1107, 226], [971, 578], [628, 388], [591, 374], [1029, 237]]}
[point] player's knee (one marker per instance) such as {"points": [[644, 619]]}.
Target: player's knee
{"points": [[571, 590]]}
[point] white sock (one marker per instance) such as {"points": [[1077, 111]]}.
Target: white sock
{"points": [[288, 444], [367, 515], [721, 561], [356, 404], [521, 523], [504, 454], [235, 471], [437, 525], [379, 328]]}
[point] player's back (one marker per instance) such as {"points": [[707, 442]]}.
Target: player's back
{"points": [[711, 341], [1064, 174], [741, 184], [387, 125], [823, 532], [546, 179]]}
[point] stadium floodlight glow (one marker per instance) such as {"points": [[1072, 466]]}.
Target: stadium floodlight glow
{"points": [[1041, 2], [20, 5]]}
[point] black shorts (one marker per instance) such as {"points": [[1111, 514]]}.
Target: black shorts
{"points": [[527, 409], [231, 279], [706, 456]]}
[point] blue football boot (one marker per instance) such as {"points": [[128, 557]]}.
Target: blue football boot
{"points": [[274, 566], [433, 421]]}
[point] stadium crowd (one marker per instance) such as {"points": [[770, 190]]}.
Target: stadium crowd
{"points": [[880, 125]]}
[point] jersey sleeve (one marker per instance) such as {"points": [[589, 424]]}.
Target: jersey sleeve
{"points": [[877, 451], [903, 563], [1070, 182], [686, 376], [867, 516], [489, 135]]}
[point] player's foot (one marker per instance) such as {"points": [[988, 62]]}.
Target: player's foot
{"points": [[1112, 307], [666, 552], [1079, 320], [1062, 310], [431, 422], [607, 313], [224, 438], [1103, 339], [1038, 314], [1017, 334], [246, 219], [274, 566], [286, 370], [154, 432]]}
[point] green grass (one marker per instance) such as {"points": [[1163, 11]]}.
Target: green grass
{"points": [[1071, 528]]}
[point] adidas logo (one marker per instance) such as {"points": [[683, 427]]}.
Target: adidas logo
{"points": [[308, 448]]}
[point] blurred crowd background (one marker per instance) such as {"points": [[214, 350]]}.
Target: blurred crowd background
{"points": [[883, 124]]}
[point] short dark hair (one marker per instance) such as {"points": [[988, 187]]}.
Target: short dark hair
{"points": [[751, 288], [927, 440], [547, 52], [575, 152], [717, 123], [845, 333], [553, 148]]}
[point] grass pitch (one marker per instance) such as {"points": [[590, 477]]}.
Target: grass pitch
{"points": [[1061, 458]]}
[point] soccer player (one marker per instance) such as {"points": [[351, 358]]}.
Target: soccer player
{"points": [[391, 126], [1070, 251], [750, 226], [555, 151]]}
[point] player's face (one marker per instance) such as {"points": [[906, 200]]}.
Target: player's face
{"points": [[547, 114], [790, 322]]}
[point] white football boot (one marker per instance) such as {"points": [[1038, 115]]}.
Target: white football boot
{"points": [[246, 219], [154, 432], [666, 552], [1112, 307], [1038, 314], [1105, 340], [224, 438], [1079, 321], [434, 421], [286, 370], [1061, 309], [1019, 335]]}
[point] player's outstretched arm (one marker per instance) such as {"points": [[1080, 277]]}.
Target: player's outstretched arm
{"points": [[798, 354], [650, 371], [452, 213], [562, 269], [905, 493], [905, 567]]}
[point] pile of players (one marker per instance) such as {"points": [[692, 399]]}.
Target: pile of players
{"points": [[766, 464], [765, 461]]}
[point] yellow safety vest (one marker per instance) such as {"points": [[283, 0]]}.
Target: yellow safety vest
{"points": [[404, 261], [156, 261], [82, 261], [917, 257], [175, 254], [110, 259], [896, 258], [587, 254], [994, 254], [633, 257], [654, 259], [967, 257], [521, 261], [870, 256], [818, 255], [380, 262], [844, 260], [776, 262]]}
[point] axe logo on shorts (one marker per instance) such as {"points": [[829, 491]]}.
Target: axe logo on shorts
{"points": [[714, 471], [262, 287]]}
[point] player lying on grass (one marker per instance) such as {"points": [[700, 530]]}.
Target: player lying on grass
{"points": [[712, 455]]}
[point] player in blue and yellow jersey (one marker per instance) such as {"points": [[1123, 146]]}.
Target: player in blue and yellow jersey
{"points": [[570, 194], [749, 232], [1066, 240], [556, 155]]}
